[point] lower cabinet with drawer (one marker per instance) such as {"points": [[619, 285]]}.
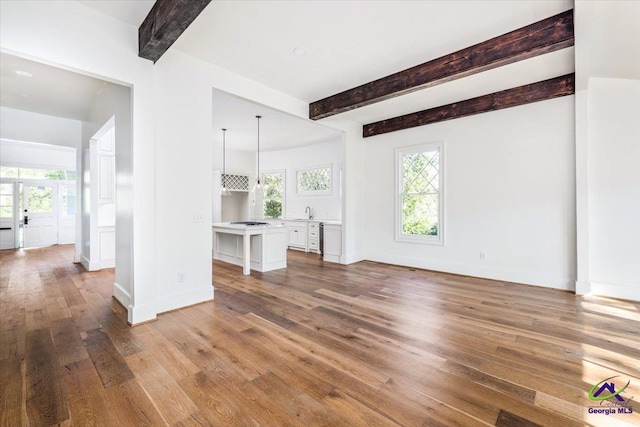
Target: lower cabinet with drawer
{"points": [[313, 237]]}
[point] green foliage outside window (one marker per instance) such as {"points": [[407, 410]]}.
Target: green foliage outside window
{"points": [[318, 179], [272, 209], [273, 194], [420, 193], [40, 199]]}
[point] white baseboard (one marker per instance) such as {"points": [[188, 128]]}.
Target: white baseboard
{"points": [[141, 313], [77, 259], [628, 291], [121, 294], [524, 277], [351, 258], [583, 288], [184, 299], [331, 258], [97, 265]]}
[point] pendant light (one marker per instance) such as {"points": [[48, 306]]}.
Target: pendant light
{"points": [[258, 185], [224, 191]]}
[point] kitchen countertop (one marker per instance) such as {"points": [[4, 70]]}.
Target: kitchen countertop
{"points": [[325, 221], [230, 226]]}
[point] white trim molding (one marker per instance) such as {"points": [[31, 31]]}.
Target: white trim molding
{"points": [[583, 288], [97, 265], [121, 294]]}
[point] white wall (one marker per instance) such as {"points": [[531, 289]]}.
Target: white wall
{"points": [[354, 190], [607, 140], [322, 154], [35, 155], [41, 128], [238, 162], [509, 193], [614, 187]]}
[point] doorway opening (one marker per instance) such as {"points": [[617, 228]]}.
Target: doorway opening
{"points": [[37, 206]]}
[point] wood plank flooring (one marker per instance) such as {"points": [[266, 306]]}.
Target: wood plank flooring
{"points": [[316, 344]]}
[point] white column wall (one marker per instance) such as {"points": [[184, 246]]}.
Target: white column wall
{"points": [[614, 187], [354, 190], [607, 148]]}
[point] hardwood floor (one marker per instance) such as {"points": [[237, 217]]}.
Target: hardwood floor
{"points": [[315, 344]]}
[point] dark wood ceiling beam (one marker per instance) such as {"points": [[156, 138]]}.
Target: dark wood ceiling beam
{"points": [[544, 36], [534, 92], [165, 22]]}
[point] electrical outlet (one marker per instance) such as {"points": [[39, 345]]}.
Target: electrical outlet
{"points": [[198, 217], [481, 255], [180, 277]]}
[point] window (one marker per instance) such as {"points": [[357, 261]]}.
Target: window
{"points": [[67, 200], [6, 200], [419, 204], [274, 187], [34, 173], [315, 180], [40, 199]]}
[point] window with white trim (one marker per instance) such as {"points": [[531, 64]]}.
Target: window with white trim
{"points": [[274, 194], [6, 200], [314, 180], [419, 193]]}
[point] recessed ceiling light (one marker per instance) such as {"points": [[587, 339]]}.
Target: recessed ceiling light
{"points": [[25, 95], [300, 51], [24, 73]]}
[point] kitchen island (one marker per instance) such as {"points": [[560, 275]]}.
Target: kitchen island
{"points": [[252, 245]]}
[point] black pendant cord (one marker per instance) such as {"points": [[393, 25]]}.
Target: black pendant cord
{"points": [[224, 151], [258, 177]]}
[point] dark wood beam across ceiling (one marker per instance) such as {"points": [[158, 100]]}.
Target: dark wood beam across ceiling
{"points": [[166, 21], [534, 92], [544, 36]]}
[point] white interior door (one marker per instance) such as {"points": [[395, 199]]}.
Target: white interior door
{"points": [[8, 215], [40, 214]]}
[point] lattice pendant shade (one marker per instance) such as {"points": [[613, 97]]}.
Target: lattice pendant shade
{"points": [[236, 182]]}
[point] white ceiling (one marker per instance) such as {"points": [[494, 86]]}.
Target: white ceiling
{"points": [[278, 130], [132, 12], [348, 43], [50, 90]]}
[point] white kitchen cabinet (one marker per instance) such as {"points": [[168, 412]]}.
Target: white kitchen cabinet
{"points": [[313, 237], [332, 242], [297, 235]]}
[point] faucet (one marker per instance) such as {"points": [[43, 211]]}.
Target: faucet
{"points": [[308, 209]]}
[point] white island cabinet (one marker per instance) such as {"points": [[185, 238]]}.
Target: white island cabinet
{"points": [[254, 247]]}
